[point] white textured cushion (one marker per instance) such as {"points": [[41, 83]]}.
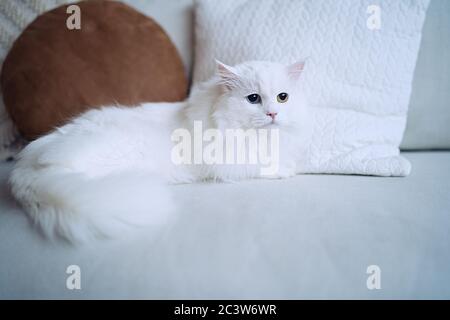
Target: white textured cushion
{"points": [[358, 80]]}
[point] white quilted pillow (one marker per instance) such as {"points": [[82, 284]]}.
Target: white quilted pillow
{"points": [[358, 79]]}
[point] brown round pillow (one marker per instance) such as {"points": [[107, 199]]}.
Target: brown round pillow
{"points": [[119, 56]]}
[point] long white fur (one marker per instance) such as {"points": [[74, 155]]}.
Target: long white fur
{"points": [[108, 169]]}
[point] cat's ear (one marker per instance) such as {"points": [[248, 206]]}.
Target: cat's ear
{"points": [[227, 74], [296, 69]]}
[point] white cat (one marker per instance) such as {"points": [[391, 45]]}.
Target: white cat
{"points": [[108, 169]]}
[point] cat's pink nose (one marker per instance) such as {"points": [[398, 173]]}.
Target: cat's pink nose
{"points": [[272, 115]]}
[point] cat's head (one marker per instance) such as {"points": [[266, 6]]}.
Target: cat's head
{"points": [[258, 94]]}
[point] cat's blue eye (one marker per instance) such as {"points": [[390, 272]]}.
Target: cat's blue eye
{"points": [[282, 97], [254, 98]]}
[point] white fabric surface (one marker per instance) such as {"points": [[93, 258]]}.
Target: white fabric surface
{"points": [[257, 239], [358, 79]]}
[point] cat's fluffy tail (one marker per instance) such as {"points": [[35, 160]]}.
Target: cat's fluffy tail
{"points": [[72, 206]]}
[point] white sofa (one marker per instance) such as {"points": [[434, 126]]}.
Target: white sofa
{"points": [[312, 236]]}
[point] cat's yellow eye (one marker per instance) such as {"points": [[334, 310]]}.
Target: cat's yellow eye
{"points": [[282, 97]]}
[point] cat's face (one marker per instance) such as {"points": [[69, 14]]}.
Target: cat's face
{"points": [[259, 94]]}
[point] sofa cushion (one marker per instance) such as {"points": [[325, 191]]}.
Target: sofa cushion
{"points": [[358, 79], [307, 237], [119, 56], [429, 111]]}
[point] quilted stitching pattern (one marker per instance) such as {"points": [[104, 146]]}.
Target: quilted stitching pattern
{"points": [[358, 80]]}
